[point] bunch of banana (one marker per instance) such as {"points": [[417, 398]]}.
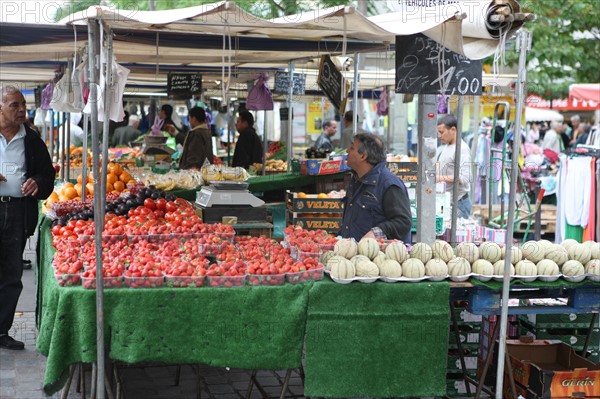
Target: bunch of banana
{"points": [[271, 165]]}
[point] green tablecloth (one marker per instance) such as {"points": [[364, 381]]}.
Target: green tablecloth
{"points": [[361, 339], [377, 339], [250, 327]]}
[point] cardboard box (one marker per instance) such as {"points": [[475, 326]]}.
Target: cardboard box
{"points": [[324, 167], [550, 369]]}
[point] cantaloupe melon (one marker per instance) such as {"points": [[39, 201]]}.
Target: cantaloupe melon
{"points": [[378, 260], [366, 268], [369, 247], [568, 242], [436, 267], [499, 268], [533, 251], [442, 250], [413, 268], [359, 258], [397, 251], [346, 247], [421, 251], [343, 269], [580, 252], [390, 268], [483, 267], [593, 267], [595, 250], [336, 259], [459, 267], [547, 267], [546, 245], [468, 250], [490, 251], [526, 268], [325, 256], [515, 254], [573, 268], [558, 254]]}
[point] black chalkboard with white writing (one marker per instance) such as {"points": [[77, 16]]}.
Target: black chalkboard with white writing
{"points": [[184, 84], [423, 66], [333, 83], [282, 83]]}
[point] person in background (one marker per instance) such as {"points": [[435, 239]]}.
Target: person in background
{"points": [[197, 142], [126, 134], [376, 202], [566, 133], [164, 122], [552, 140], [448, 135], [533, 135], [324, 141], [248, 149], [347, 131], [26, 176]]}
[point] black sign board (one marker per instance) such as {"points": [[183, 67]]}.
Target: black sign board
{"points": [[423, 66], [282, 83], [333, 83], [284, 114], [184, 84]]}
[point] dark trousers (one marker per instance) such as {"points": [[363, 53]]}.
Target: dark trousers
{"points": [[12, 244]]}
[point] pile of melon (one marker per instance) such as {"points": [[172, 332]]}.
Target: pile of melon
{"points": [[366, 261]]}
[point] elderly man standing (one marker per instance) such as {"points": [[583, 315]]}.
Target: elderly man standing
{"points": [[552, 139], [26, 175], [376, 203]]}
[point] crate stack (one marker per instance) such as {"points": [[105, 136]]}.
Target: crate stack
{"points": [[469, 327], [570, 328], [312, 212]]}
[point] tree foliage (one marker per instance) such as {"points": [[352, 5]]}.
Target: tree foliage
{"points": [[565, 45]]}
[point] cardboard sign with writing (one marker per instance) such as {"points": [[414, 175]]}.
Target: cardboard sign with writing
{"points": [[333, 83], [184, 84], [282, 83], [423, 66]]}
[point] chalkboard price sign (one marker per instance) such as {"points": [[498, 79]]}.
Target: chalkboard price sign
{"points": [[282, 83], [423, 66], [184, 84], [333, 83]]}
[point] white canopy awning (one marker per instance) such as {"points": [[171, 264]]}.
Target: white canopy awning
{"points": [[542, 115]]}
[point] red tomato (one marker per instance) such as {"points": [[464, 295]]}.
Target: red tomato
{"points": [[161, 204], [150, 204], [170, 206]]}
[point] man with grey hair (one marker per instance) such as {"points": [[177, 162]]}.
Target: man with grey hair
{"points": [[552, 140], [376, 202], [26, 176]]}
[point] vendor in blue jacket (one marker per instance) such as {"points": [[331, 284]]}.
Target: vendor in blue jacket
{"points": [[376, 203]]}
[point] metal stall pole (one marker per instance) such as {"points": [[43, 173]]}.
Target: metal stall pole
{"points": [[355, 97], [290, 138], [61, 144], [84, 154], [51, 135], [474, 168], [265, 144], [457, 164], [523, 44], [94, 59], [68, 147], [427, 136]]}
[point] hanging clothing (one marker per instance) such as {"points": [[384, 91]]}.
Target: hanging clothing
{"points": [[559, 234], [577, 191], [589, 232], [115, 90]]}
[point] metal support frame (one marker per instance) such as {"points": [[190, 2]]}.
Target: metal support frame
{"points": [[427, 136], [290, 121], [457, 170], [523, 45]]}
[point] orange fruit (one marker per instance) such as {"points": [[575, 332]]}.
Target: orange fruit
{"points": [[53, 196], [119, 186], [79, 179], [70, 192], [124, 177], [322, 195], [302, 195], [68, 184], [62, 198], [109, 187], [111, 178], [78, 188], [89, 189], [115, 168]]}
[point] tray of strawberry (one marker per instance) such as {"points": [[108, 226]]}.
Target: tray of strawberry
{"points": [[67, 270], [112, 276], [307, 270], [187, 273], [228, 274]]}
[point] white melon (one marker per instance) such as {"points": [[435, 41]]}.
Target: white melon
{"points": [[390, 268], [413, 268], [499, 268], [359, 258], [378, 260], [325, 256], [568, 242], [483, 267], [366, 269], [558, 254], [490, 251], [593, 267], [547, 267], [336, 259], [436, 267], [397, 251], [369, 247], [421, 251], [343, 269], [468, 250], [442, 250], [459, 266]]}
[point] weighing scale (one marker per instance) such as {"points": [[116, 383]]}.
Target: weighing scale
{"points": [[230, 198], [155, 149]]}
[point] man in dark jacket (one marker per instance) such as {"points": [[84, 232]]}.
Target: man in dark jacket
{"points": [[248, 149], [376, 203], [197, 143], [26, 176]]}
